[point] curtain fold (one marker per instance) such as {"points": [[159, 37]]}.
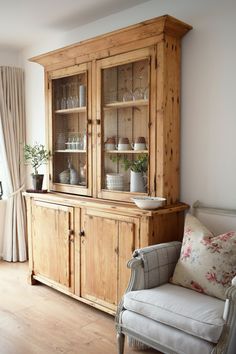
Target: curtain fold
{"points": [[12, 138]]}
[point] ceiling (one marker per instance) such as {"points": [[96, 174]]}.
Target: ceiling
{"points": [[24, 22]]}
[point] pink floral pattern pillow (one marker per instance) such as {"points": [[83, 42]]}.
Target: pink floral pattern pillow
{"points": [[207, 263]]}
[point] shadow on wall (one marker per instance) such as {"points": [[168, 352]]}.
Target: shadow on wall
{"points": [[2, 221]]}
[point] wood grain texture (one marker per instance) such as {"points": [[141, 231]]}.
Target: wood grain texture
{"points": [[40, 320], [110, 65], [91, 267], [126, 246], [99, 259], [89, 263], [51, 245], [100, 47], [168, 119]]}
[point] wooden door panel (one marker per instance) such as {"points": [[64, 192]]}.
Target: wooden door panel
{"points": [[108, 244], [51, 244], [99, 259], [126, 248]]}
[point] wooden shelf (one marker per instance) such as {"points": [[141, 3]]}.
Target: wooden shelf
{"points": [[126, 151], [81, 184], [126, 104], [71, 110], [73, 151]]}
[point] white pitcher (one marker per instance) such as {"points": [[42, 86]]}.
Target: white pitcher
{"points": [[138, 182]]}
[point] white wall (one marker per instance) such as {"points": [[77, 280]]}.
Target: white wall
{"points": [[10, 57], [208, 153]]}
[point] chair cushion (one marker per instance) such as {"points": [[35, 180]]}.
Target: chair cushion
{"points": [[194, 313], [207, 263], [164, 338]]}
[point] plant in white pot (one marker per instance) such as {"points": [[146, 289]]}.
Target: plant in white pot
{"points": [[138, 168], [36, 155]]}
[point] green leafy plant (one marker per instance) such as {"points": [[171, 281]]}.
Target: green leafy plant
{"points": [[140, 164], [36, 155]]}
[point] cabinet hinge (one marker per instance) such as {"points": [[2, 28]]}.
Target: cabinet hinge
{"points": [[117, 251], [155, 183]]}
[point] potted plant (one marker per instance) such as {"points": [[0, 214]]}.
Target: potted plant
{"points": [[138, 168], [36, 155]]}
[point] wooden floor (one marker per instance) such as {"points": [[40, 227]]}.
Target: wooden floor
{"points": [[40, 320]]}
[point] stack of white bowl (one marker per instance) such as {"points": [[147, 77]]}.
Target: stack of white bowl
{"points": [[115, 181]]}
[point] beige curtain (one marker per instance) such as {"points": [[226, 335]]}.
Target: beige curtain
{"points": [[12, 137]]}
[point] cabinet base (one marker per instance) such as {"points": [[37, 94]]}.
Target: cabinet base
{"points": [[40, 279]]}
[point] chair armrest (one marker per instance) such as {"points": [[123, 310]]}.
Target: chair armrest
{"points": [[150, 267], [136, 281], [227, 342], [158, 262]]}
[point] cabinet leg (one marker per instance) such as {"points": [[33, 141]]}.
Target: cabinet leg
{"points": [[31, 279], [120, 342]]}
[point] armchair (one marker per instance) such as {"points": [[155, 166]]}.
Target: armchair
{"points": [[168, 317]]}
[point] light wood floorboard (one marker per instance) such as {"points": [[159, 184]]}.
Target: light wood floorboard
{"points": [[40, 320]]}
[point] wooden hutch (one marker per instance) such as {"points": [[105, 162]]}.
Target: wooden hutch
{"points": [[124, 84]]}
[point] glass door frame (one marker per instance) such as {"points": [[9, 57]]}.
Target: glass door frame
{"points": [[148, 53], [58, 74]]}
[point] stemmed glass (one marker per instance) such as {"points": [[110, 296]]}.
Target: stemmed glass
{"points": [[138, 93], [58, 96], [69, 100], [128, 94], [63, 98], [146, 93], [75, 97]]}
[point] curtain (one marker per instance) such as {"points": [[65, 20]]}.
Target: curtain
{"points": [[12, 138]]}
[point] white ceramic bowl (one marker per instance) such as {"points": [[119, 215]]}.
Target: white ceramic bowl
{"points": [[148, 202]]}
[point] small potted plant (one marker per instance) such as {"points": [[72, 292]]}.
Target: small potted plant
{"points": [[138, 168], [36, 155]]}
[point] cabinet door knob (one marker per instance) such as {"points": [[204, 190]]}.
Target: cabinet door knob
{"points": [[81, 233]]}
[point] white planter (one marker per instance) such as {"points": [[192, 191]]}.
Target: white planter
{"points": [[137, 182]]}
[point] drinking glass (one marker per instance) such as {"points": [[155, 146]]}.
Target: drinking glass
{"points": [[146, 93], [63, 98], [128, 94], [69, 99], [138, 93]]}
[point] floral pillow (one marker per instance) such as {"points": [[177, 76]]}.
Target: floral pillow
{"points": [[207, 263]]}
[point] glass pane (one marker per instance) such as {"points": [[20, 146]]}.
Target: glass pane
{"points": [[70, 130], [125, 117]]}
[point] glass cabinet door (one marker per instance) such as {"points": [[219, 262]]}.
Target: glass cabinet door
{"points": [[124, 125], [70, 142]]}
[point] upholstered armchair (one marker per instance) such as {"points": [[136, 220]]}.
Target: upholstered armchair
{"points": [[171, 318]]}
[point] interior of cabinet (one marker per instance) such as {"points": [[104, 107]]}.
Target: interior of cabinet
{"points": [[125, 118], [69, 135]]}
